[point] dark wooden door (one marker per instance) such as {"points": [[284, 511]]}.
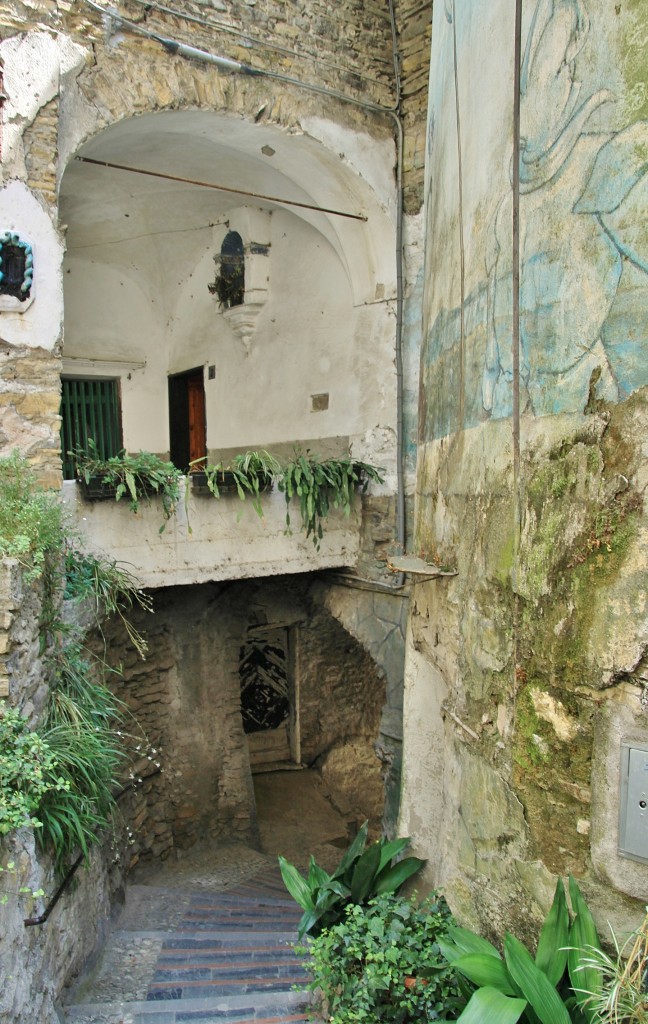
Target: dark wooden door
{"points": [[196, 407], [188, 434]]}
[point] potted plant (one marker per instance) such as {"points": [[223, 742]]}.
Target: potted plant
{"points": [[134, 477], [248, 474], [322, 484]]}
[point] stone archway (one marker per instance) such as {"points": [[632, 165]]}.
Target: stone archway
{"points": [[139, 277], [187, 698]]}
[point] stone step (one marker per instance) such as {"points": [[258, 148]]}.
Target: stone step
{"points": [[220, 958], [266, 1008]]}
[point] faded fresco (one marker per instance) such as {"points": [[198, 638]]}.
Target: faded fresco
{"points": [[583, 222]]}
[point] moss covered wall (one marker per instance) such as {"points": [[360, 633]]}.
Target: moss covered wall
{"points": [[525, 672]]}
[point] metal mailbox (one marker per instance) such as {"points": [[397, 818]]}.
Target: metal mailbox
{"points": [[633, 809]]}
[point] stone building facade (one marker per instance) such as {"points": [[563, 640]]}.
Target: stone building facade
{"points": [[377, 224], [318, 152], [526, 673]]}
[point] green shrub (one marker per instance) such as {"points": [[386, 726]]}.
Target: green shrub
{"points": [[31, 519], [29, 772], [359, 967], [360, 875], [559, 986], [621, 994], [62, 780], [82, 728], [109, 587]]}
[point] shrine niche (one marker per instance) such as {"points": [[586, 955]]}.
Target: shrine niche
{"points": [[16, 272]]}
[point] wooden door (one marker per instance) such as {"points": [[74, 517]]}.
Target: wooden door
{"points": [[196, 412], [188, 433]]}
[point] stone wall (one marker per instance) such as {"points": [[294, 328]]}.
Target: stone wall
{"points": [[37, 961], [186, 698], [414, 24], [524, 674]]}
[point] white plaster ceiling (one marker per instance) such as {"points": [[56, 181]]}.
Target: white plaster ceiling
{"points": [[109, 212]]}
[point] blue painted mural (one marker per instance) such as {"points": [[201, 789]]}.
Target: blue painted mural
{"points": [[584, 254]]}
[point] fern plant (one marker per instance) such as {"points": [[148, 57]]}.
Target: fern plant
{"points": [[249, 473], [322, 484], [134, 477]]}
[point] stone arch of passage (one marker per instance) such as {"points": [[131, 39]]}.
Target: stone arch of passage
{"points": [[319, 163], [139, 275]]}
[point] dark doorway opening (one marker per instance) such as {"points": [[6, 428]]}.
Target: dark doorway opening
{"points": [[269, 704], [187, 429]]}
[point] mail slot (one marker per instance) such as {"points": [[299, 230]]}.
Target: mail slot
{"points": [[633, 810]]}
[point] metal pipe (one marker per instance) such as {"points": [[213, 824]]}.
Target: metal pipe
{"points": [[221, 188], [400, 386], [462, 249], [515, 338]]}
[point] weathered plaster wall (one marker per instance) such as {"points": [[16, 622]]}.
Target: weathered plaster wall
{"points": [[211, 539], [525, 672]]}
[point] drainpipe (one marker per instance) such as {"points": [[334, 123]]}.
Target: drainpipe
{"points": [[237, 67]]}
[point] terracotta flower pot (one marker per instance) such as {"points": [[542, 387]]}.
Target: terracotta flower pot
{"points": [[411, 982]]}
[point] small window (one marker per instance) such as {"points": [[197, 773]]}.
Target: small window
{"points": [[229, 285], [16, 266], [90, 410]]}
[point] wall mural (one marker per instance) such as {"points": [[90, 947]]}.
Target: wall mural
{"points": [[584, 253]]}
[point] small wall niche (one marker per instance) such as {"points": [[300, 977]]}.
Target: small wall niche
{"points": [[16, 272], [242, 280]]}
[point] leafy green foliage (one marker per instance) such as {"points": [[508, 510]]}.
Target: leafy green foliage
{"points": [[61, 780], [31, 519], [250, 473], [135, 477], [517, 986], [360, 965], [322, 484], [81, 728], [619, 994], [10, 872], [360, 875], [109, 586], [29, 772]]}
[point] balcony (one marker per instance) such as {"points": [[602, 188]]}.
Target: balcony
{"points": [[210, 539]]}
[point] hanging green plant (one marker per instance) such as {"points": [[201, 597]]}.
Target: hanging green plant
{"points": [[134, 477], [229, 284], [249, 474], [229, 290], [322, 484]]}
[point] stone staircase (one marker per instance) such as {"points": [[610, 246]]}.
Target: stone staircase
{"points": [[182, 954]]}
